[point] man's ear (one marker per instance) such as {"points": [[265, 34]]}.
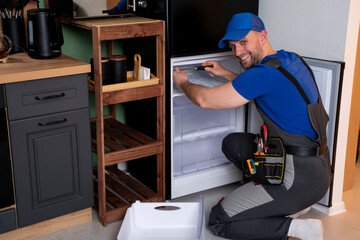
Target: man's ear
{"points": [[263, 36]]}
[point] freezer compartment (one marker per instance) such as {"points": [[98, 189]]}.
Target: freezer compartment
{"points": [[198, 154], [202, 77], [197, 161], [198, 135], [191, 121]]}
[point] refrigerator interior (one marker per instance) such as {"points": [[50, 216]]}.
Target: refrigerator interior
{"points": [[328, 76], [196, 134]]}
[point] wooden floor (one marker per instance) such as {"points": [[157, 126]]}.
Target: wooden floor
{"points": [[345, 226]]}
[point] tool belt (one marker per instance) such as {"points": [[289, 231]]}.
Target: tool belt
{"points": [[262, 168], [263, 159], [267, 168]]}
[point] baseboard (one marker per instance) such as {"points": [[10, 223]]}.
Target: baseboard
{"points": [[49, 226], [330, 211]]}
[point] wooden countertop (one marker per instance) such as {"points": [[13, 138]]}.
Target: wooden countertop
{"points": [[20, 67], [125, 20]]}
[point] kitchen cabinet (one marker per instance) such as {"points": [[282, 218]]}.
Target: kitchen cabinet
{"points": [[51, 152], [113, 141], [49, 134]]}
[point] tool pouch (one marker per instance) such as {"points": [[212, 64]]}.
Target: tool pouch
{"points": [[268, 168]]}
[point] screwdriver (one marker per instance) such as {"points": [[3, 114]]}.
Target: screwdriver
{"points": [[264, 134], [197, 68]]}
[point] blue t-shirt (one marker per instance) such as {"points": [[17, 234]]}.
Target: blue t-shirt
{"points": [[277, 95]]}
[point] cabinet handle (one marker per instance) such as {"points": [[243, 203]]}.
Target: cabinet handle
{"points": [[53, 123], [50, 97]]}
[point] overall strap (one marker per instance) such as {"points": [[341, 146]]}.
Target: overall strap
{"points": [[274, 62], [310, 71]]}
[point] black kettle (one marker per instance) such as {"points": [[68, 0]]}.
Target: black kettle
{"points": [[45, 36]]}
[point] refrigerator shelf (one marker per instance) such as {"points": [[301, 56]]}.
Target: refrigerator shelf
{"points": [[123, 143], [121, 191], [202, 134]]}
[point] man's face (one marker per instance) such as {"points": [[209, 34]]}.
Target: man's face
{"points": [[247, 51]]}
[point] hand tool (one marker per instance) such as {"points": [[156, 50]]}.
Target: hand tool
{"points": [[260, 146], [251, 166], [197, 68], [264, 136]]}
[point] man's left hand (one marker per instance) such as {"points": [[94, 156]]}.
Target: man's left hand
{"points": [[180, 77]]}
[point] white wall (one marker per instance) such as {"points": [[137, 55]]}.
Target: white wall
{"points": [[325, 29], [313, 28]]}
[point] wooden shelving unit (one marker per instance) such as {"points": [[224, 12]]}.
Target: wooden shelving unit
{"points": [[114, 141]]}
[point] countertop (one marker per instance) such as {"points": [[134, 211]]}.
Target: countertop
{"points": [[20, 67]]}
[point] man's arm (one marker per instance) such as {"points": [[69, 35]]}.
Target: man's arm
{"points": [[220, 97]]}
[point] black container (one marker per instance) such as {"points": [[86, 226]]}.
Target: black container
{"points": [[105, 68], [45, 34], [14, 28], [118, 68]]}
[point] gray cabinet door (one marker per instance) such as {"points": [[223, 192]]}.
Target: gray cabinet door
{"points": [[52, 165]]}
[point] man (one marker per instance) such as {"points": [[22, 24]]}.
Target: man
{"points": [[287, 98]]}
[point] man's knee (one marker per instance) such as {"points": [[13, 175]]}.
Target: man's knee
{"points": [[237, 147], [218, 219]]}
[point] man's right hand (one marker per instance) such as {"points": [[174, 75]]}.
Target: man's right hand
{"points": [[219, 71]]}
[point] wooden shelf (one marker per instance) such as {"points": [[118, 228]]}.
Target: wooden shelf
{"points": [[131, 83], [112, 141], [123, 143], [121, 191], [108, 22]]}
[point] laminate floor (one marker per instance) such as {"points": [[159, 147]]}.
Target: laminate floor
{"points": [[345, 226]]}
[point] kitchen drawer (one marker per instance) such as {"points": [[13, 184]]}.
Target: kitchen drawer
{"points": [[7, 220], [46, 96]]}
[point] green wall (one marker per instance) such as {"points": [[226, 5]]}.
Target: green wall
{"points": [[78, 44]]}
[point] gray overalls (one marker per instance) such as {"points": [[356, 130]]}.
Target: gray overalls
{"points": [[259, 211]]}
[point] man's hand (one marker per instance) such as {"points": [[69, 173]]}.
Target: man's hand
{"points": [[180, 77], [219, 71]]}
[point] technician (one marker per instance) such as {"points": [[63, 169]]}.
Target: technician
{"points": [[286, 95]]}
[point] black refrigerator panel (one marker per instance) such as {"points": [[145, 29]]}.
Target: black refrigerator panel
{"points": [[196, 27], [193, 27], [156, 9]]}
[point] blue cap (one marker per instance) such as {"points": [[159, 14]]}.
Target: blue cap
{"points": [[240, 25]]}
